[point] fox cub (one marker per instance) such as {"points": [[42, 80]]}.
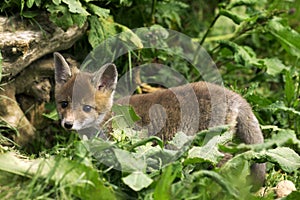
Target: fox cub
{"points": [[85, 99]]}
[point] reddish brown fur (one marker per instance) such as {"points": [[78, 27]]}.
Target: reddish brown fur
{"points": [[188, 108]]}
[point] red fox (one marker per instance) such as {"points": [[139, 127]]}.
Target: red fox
{"points": [[85, 100]]}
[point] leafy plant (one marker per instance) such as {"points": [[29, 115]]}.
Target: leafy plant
{"points": [[255, 45]]}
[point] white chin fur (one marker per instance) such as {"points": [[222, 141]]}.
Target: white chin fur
{"points": [[87, 123]]}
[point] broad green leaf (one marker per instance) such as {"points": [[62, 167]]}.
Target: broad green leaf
{"points": [[180, 139], [97, 33], [289, 38], [210, 151], [163, 187], [274, 66], [137, 180], [287, 159], [100, 12], [127, 116], [75, 7], [61, 16], [130, 162], [83, 181], [102, 29], [283, 137], [29, 3], [236, 171], [243, 55]]}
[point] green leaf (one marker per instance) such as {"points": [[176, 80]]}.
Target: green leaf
{"points": [[282, 138], [29, 3], [83, 181], [56, 2], [97, 33], [180, 139], [234, 17], [287, 158], [75, 7], [61, 16], [163, 187], [243, 55], [30, 14], [137, 180], [52, 115], [130, 162], [100, 12], [155, 139], [289, 88], [102, 29], [289, 38], [236, 171], [219, 179], [274, 66], [210, 151], [279, 105], [127, 116]]}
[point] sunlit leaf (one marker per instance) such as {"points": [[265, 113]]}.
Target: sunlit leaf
{"points": [[287, 158], [100, 12], [81, 179], [61, 16], [289, 38], [102, 29], [130, 162], [274, 66], [75, 7], [137, 180]]}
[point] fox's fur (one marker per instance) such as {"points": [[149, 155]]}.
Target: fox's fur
{"points": [[85, 99]]}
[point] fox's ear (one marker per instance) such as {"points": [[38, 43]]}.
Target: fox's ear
{"points": [[61, 68], [106, 77]]}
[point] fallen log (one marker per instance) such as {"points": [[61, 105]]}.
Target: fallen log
{"points": [[25, 85]]}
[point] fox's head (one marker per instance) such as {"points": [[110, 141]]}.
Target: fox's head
{"points": [[83, 99]]}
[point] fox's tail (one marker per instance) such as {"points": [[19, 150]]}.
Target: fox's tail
{"points": [[249, 132]]}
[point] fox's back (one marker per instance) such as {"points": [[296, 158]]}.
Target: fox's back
{"points": [[188, 108]]}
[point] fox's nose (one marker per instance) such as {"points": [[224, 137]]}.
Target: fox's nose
{"points": [[68, 125]]}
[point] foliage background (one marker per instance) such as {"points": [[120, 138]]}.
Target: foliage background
{"points": [[256, 46]]}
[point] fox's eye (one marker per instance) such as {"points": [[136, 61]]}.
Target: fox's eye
{"points": [[87, 108], [64, 104]]}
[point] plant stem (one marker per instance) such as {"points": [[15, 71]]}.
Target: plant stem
{"points": [[153, 11], [209, 29]]}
